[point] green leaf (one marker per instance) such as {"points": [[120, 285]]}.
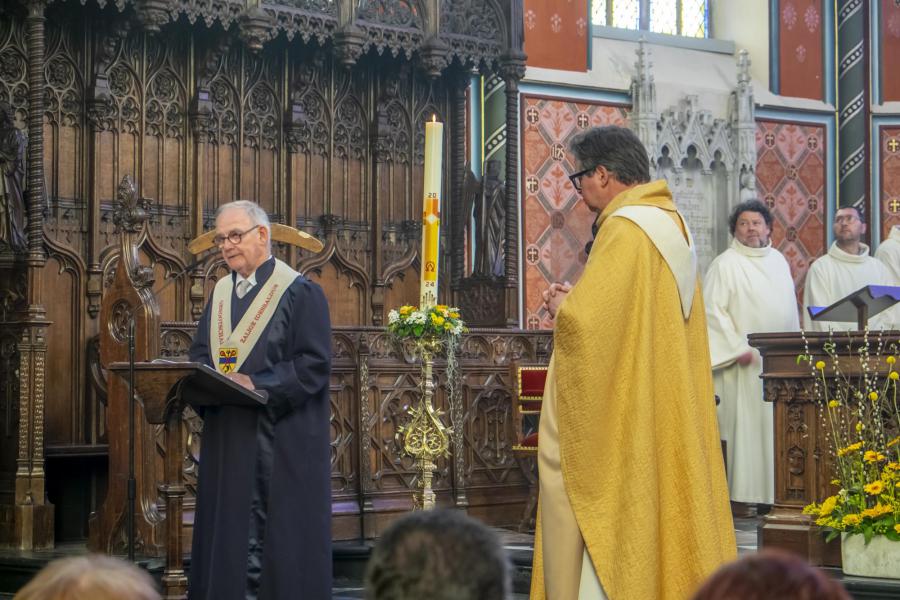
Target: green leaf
{"points": [[832, 533], [892, 535], [868, 533]]}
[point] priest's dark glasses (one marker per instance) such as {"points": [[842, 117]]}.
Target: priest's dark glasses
{"points": [[234, 237], [575, 178]]}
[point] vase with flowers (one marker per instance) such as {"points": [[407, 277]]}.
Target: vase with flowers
{"points": [[857, 392]]}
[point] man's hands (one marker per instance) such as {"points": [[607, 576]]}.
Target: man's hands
{"points": [[554, 295], [745, 359], [241, 379]]}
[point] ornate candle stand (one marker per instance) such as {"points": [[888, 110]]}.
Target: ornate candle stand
{"points": [[425, 437]]}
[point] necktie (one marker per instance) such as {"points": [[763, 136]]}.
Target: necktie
{"points": [[243, 287]]}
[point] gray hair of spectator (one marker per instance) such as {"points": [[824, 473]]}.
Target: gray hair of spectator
{"points": [[257, 215], [437, 555], [91, 577], [617, 149], [749, 206]]}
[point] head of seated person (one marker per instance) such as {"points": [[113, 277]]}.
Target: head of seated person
{"points": [[771, 575], [92, 577], [437, 555]]}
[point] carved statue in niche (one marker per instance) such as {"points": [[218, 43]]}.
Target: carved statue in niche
{"points": [[12, 182], [748, 184], [486, 203]]}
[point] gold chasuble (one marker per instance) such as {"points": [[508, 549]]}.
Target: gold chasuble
{"points": [[631, 467]]}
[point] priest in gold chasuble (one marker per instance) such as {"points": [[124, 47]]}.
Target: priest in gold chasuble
{"points": [[633, 497], [262, 528]]}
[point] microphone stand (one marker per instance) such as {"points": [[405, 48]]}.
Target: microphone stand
{"points": [[132, 482]]}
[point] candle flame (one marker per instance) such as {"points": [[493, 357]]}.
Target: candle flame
{"points": [[433, 118]]}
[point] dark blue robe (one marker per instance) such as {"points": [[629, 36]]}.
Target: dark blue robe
{"points": [[262, 528]]}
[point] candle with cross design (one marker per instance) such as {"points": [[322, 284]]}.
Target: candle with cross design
{"points": [[431, 213]]}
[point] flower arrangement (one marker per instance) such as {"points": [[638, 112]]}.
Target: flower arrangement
{"points": [[857, 411], [440, 322]]}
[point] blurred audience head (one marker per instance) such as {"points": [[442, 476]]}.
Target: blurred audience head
{"points": [[92, 577], [770, 575], [437, 555]]}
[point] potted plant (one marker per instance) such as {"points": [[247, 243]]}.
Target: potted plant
{"points": [[857, 393]]}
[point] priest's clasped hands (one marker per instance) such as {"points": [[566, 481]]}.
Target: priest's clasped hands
{"points": [[554, 295]]}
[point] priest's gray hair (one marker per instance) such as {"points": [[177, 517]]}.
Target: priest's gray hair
{"points": [[253, 210]]}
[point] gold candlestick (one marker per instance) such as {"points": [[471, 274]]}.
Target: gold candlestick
{"points": [[425, 437]]}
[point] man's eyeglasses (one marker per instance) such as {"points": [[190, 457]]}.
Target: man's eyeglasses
{"points": [[234, 237], [575, 178]]}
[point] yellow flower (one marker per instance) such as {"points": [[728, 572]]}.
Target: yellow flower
{"points": [[894, 442], [828, 506], [447, 326], [892, 466], [820, 365], [891, 360], [871, 456], [437, 320], [859, 427], [894, 375], [454, 315], [873, 396], [835, 482], [849, 449], [851, 520], [834, 404], [877, 510], [874, 488], [405, 310], [811, 509], [897, 527]]}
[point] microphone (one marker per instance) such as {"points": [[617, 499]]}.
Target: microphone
{"points": [[154, 294]]}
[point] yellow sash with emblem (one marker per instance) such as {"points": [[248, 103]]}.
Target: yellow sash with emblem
{"points": [[230, 347]]}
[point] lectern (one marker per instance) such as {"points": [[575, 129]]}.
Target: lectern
{"points": [[163, 389], [859, 306], [803, 458]]}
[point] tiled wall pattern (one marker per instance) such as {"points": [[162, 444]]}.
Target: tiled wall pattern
{"points": [[557, 34], [556, 224], [889, 140], [790, 176], [800, 47]]}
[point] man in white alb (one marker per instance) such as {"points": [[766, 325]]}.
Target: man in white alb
{"points": [[748, 289], [888, 252], [846, 268]]}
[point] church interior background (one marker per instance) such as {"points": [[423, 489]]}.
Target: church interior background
{"points": [[316, 109]]}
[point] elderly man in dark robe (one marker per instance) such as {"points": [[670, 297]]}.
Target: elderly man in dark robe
{"points": [[262, 529]]}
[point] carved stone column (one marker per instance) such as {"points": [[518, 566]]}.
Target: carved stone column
{"points": [[32, 513], [512, 70]]}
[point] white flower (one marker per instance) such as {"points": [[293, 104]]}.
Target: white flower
{"points": [[416, 318], [393, 317], [457, 329]]}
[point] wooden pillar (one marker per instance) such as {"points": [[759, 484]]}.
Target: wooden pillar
{"points": [[512, 70], [32, 513]]}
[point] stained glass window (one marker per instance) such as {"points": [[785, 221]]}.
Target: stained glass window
{"points": [[674, 17]]}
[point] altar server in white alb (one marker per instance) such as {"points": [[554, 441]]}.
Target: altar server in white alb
{"points": [[846, 268], [748, 289], [888, 252]]}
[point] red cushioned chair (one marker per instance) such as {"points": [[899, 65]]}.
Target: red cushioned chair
{"points": [[528, 393]]}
